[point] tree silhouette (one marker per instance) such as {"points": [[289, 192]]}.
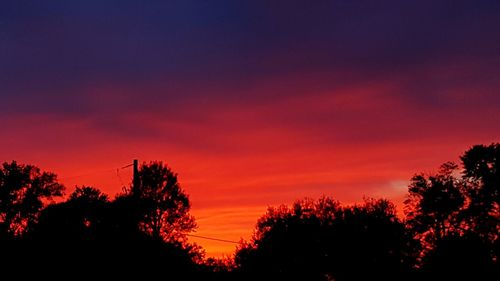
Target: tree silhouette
{"points": [[84, 217], [165, 205], [24, 191], [88, 195], [458, 218], [433, 204], [322, 240], [90, 228], [482, 173]]}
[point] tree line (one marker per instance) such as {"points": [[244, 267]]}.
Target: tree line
{"points": [[450, 230]]}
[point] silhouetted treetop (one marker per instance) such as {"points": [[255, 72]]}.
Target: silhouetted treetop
{"points": [[82, 218], [459, 216], [164, 203], [433, 203], [88, 194], [321, 239], [24, 191], [482, 162], [482, 174]]}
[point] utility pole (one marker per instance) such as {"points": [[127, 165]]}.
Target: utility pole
{"points": [[135, 181]]}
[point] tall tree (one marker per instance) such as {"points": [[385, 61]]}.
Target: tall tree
{"points": [[458, 217], [165, 204], [482, 173], [433, 204], [24, 191]]}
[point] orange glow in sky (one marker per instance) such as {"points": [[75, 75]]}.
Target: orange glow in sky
{"points": [[238, 161]]}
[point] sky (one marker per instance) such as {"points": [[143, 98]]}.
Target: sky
{"points": [[252, 103]]}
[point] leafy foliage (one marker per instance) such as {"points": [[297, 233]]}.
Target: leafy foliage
{"points": [[24, 191], [482, 172], [318, 239], [450, 212], [166, 206], [433, 203]]}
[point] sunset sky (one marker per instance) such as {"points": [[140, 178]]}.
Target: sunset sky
{"points": [[252, 103]]}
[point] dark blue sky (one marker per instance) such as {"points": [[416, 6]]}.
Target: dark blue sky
{"points": [[51, 51]]}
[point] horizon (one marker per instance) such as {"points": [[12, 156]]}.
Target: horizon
{"points": [[229, 223]]}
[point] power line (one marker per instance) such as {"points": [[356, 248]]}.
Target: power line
{"points": [[126, 166], [86, 174], [118, 174], [94, 172], [213, 239]]}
